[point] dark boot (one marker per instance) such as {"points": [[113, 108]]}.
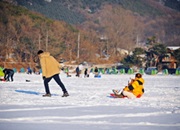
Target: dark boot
{"points": [[65, 94], [47, 95]]}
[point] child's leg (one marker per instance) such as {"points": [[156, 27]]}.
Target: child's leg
{"points": [[128, 94]]}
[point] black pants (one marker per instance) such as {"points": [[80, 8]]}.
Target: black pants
{"points": [[58, 81], [9, 75]]}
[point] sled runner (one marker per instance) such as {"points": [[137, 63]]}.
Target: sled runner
{"points": [[116, 96]]}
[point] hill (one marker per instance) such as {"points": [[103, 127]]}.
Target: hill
{"points": [[159, 18], [71, 11], [104, 26]]}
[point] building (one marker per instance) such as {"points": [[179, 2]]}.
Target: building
{"points": [[169, 60]]}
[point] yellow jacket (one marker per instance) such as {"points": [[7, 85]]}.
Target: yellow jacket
{"points": [[136, 87], [49, 65]]}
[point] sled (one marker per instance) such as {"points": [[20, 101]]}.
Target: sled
{"points": [[117, 96], [2, 80]]}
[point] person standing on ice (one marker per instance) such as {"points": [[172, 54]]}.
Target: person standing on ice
{"points": [[50, 69], [86, 73], [77, 71], [29, 71], [96, 71], [135, 88]]}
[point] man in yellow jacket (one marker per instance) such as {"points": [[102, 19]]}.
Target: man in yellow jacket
{"points": [[135, 88], [50, 69]]}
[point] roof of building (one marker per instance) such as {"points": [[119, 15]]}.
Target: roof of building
{"points": [[173, 47]]}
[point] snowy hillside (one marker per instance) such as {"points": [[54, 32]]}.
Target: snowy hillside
{"points": [[89, 106]]}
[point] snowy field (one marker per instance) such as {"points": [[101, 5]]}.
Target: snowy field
{"points": [[89, 106]]}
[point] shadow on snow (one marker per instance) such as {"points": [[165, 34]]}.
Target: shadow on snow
{"points": [[32, 92]]}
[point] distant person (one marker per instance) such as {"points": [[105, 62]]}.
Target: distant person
{"points": [[1, 74], [29, 71], [8, 74], [50, 69], [96, 71], [77, 71], [135, 88], [86, 73], [67, 72]]}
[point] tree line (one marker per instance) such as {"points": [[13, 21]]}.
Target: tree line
{"points": [[152, 56]]}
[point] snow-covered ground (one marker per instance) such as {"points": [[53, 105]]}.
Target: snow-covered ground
{"points": [[89, 106]]}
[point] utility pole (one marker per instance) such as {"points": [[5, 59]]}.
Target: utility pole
{"points": [[137, 41], [47, 41], [39, 41], [78, 46]]}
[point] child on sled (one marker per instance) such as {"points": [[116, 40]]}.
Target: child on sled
{"points": [[134, 89]]}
